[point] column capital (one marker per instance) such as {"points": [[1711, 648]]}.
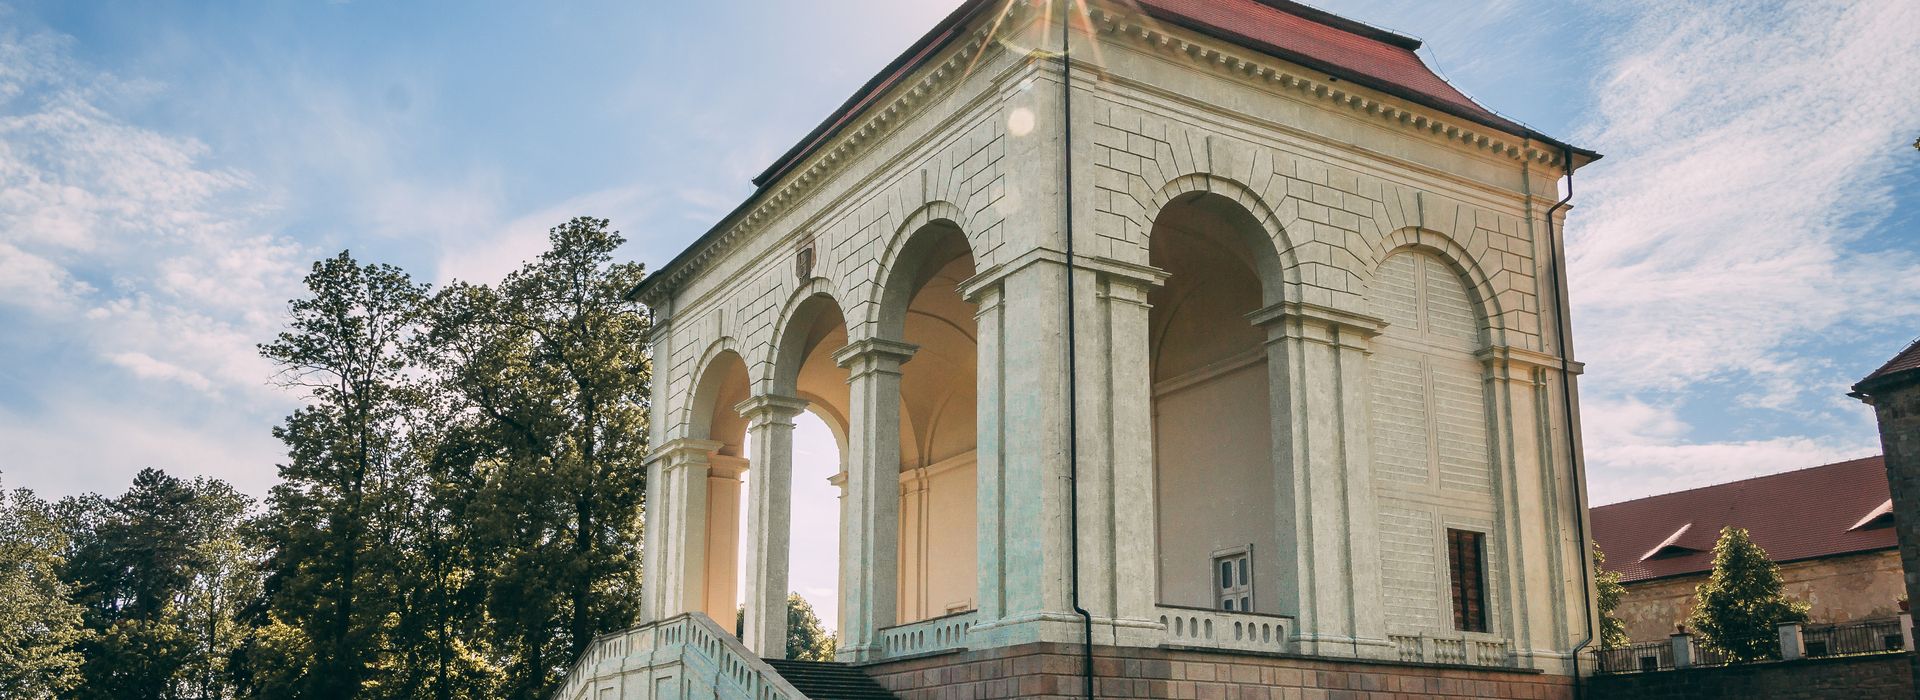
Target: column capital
{"points": [[770, 407], [683, 451], [1315, 322], [874, 354], [1520, 360], [726, 467]]}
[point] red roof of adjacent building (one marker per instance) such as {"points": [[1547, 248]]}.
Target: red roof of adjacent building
{"points": [[1805, 514]]}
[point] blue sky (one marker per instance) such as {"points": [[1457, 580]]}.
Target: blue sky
{"points": [[168, 169]]}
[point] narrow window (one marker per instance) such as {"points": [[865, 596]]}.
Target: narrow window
{"points": [[1466, 557], [1233, 579]]}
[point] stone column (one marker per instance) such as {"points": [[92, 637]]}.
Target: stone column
{"points": [[1894, 393], [871, 528], [723, 536], [1317, 364], [770, 423], [677, 527]]}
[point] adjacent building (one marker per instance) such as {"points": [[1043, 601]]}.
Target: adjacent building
{"points": [[1175, 348], [1831, 529]]}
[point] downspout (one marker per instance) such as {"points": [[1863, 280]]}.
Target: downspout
{"points": [[1566, 404], [1073, 376]]}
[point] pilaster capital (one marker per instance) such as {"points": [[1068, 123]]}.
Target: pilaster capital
{"points": [[1510, 360], [684, 451], [1304, 321], [868, 355], [765, 408]]}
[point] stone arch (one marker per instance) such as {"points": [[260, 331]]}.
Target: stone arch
{"points": [[1274, 258], [1440, 245], [783, 355], [713, 392], [918, 238]]}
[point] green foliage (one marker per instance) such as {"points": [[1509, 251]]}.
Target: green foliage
{"points": [[550, 366], [1740, 606], [1613, 631], [162, 572], [458, 515], [39, 626], [807, 640]]}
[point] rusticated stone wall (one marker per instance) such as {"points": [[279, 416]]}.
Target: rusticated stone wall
{"points": [[1847, 588], [1049, 670]]}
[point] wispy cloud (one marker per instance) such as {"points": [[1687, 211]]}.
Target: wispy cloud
{"points": [[1720, 248]]}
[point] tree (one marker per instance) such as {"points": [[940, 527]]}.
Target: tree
{"points": [[162, 572], [39, 626], [332, 521], [551, 365], [1613, 630], [1737, 610], [807, 639]]}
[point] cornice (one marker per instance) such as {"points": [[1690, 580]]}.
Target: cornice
{"points": [[1145, 31], [881, 119]]}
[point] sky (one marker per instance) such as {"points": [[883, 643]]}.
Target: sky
{"points": [[1747, 249]]}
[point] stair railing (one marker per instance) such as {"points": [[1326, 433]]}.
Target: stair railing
{"points": [[704, 653]]}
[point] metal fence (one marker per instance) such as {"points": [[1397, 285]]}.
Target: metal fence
{"points": [[1637, 658], [1868, 637]]}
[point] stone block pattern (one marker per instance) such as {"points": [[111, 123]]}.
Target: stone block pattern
{"points": [[1852, 677], [1053, 671]]}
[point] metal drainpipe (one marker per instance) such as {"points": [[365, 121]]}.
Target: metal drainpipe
{"points": [[1073, 377], [1566, 405]]}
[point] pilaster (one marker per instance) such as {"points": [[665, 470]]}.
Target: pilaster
{"points": [[677, 527], [1317, 364]]}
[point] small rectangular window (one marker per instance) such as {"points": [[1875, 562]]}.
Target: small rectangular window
{"points": [[1233, 585], [1466, 566]]}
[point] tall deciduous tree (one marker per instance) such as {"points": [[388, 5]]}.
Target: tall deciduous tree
{"points": [[551, 363], [1739, 607], [39, 626], [331, 522]]}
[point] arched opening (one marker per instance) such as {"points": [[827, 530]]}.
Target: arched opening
{"points": [[804, 368], [922, 305], [1218, 505], [1430, 445], [722, 386]]}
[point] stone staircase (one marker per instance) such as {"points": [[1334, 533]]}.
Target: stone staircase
{"points": [[825, 680]]}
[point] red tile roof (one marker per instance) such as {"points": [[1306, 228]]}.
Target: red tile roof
{"points": [[1908, 360], [1796, 515], [1314, 38], [1328, 42]]}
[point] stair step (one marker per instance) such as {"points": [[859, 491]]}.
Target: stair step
{"points": [[826, 680]]}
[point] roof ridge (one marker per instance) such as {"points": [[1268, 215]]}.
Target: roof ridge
{"points": [[1739, 481]]}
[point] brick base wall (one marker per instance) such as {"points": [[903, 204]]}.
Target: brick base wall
{"points": [[1851, 677], [1053, 671]]}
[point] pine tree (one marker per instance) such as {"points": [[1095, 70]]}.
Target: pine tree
{"points": [[162, 572], [1613, 630], [1738, 609]]}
